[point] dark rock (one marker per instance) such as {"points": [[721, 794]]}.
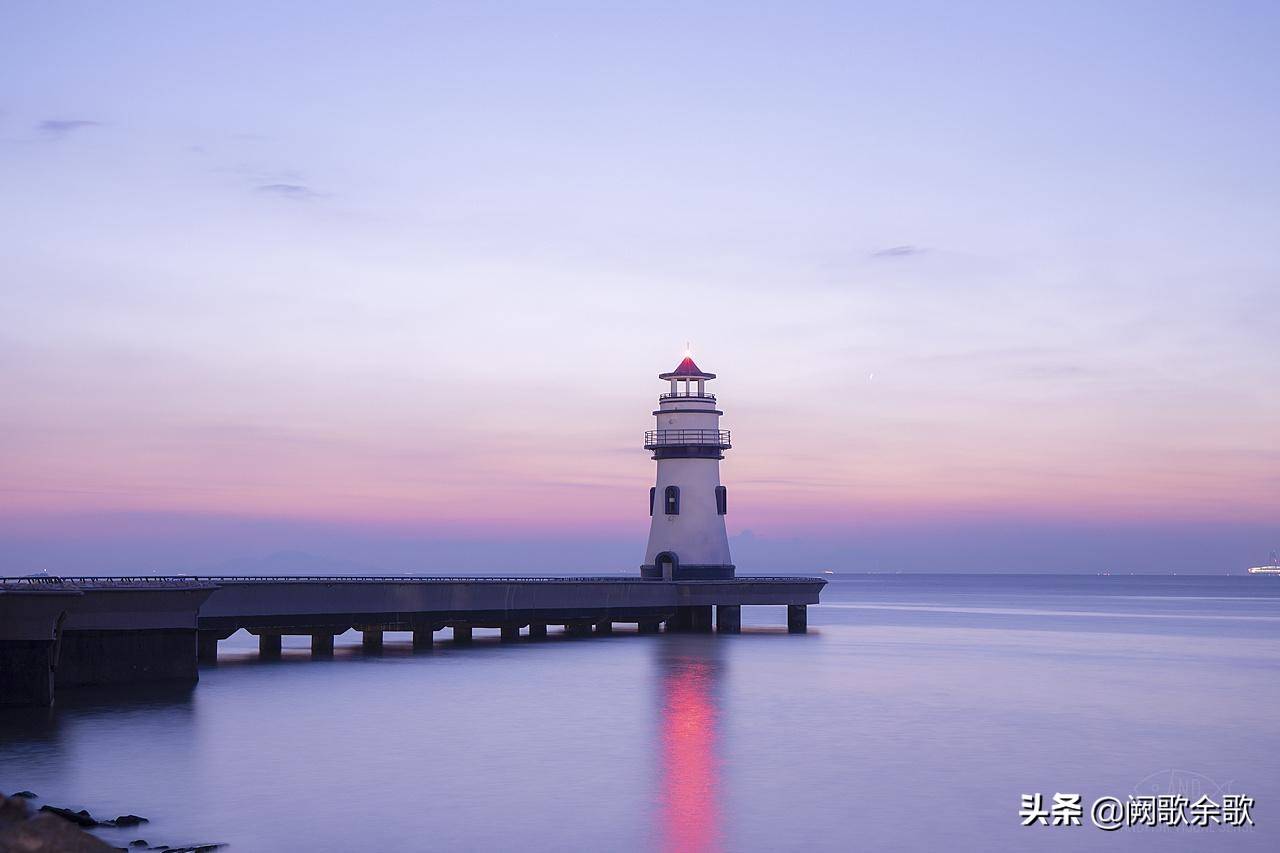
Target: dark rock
{"points": [[80, 818], [13, 809], [128, 820], [49, 833], [138, 842], [26, 795]]}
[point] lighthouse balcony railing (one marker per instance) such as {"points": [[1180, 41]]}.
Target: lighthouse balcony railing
{"points": [[656, 438], [686, 395]]}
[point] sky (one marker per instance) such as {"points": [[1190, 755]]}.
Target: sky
{"points": [[989, 287]]}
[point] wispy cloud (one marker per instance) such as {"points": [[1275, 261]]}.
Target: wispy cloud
{"points": [[898, 252], [281, 183], [294, 191], [59, 127]]}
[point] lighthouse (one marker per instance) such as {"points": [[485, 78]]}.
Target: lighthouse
{"points": [[687, 539]]}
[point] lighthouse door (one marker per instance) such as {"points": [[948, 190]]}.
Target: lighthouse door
{"points": [[667, 563]]}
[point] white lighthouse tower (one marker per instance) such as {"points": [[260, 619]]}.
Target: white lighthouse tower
{"points": [[687, 539]]}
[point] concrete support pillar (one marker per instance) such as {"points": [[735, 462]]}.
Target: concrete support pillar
{"points": [[797, 619], [424, 639], [729, 618], [371, 641], [322, 645], [55, 635], [207, 646], [693, 619], [268, 645], [126, 656], [462, 633], [649, 626], [26, 672], [510, 633], [604, 627], [31, 623], [538, 630]]}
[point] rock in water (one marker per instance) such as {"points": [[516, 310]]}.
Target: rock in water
{"points": [[128, 820], [80, 818], [26, 795]]}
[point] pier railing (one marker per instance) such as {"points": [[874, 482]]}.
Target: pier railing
{"points": [[55, 581], [656, 438]]}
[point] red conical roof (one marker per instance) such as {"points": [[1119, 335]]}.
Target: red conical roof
{"points": [[687, 370]]}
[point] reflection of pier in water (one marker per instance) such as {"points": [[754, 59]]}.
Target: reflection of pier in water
{"points": [[689, 672]]}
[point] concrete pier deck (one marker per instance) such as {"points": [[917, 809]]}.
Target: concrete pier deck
{"points": [[57, 632]]}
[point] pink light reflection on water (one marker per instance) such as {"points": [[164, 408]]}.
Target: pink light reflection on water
{"points": [[689, 806]]}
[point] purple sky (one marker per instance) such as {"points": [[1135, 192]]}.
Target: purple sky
{"points": [[989, 286]]}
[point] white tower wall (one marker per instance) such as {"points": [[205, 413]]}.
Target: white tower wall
{"points": [[688, 446], [697, 535]]}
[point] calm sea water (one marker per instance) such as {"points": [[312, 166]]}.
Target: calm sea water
{"points": [[912, 717]]}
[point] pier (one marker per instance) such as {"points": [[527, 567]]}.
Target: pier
{"points": [[65, 632], [68, 631]]}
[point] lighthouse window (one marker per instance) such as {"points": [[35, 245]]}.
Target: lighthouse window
{"points": [[652, 492], [722, 500], [672, 500]]}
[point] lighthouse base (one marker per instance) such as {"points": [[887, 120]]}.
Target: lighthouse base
{"points": [[685, 572]]}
